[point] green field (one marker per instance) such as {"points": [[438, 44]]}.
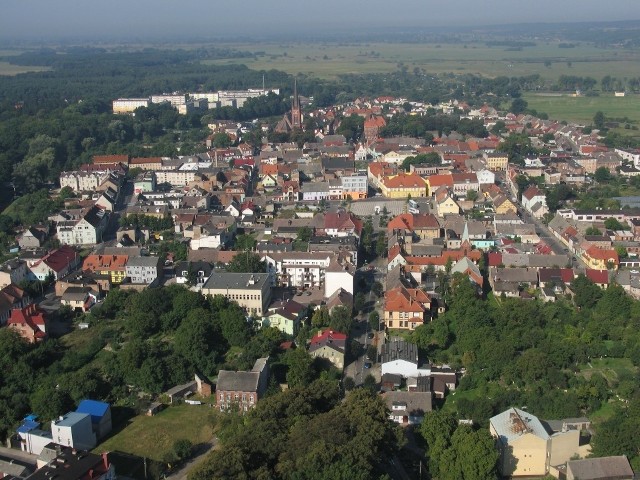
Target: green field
{"points": [[153, 437], [582, 109], [7, 69], [328, 60], [610, 368]]}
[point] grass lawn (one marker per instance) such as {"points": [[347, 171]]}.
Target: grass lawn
{"points": [[609, 368], [153, 437], [582, 109]]}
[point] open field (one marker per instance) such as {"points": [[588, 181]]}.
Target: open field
{"points": [[609, 368], [582, 109], [7, 69], [153, 437], [329, 60]]}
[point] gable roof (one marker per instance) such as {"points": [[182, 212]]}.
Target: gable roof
{"points": [[328, 338], [514, 423]]}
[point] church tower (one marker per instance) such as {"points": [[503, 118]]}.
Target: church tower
{"points": [[296, 111]]}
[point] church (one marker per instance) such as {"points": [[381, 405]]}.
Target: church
{"points": [[292, 120]]}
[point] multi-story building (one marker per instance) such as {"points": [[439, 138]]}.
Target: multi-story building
{"points": [[252, 291], [496, 161], [13, 271], [242, 390], [404, 185], [83, 181], [354, 186], [173, 99], [129, 105], [29, 322], [406, 308], [147, 163], [176, 178], [329, 345], [87, 230], [464, 182], [57, 263], [112, 267], [526, 448], [143, 269]]}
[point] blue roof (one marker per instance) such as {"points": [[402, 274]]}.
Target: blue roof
{"points": [[27, 426], [96, 409]]}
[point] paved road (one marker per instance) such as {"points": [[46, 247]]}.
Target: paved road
{"points": [[18, 455]]}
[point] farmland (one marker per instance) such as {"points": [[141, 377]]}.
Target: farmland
{"points": [[328, 60]]}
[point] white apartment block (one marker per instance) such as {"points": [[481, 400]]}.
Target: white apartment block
{"points": [[174, 100], [128, 105], [86, 231], [83, 181], [175, 178], [143, 269]]}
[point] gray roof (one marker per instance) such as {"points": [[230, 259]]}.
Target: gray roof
{"points": [[314, 187], [246, 281], [399, 349], [415, 403], [140, 261], [601, 468], [237, 381], [514, 423]]}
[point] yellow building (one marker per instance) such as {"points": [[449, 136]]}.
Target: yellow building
{"points": [[404, 185], [526, 448], [503, 205], [496, 161], [111, 266], [601, 258]]}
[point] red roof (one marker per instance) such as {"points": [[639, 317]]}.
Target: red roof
{"points": [[60, 258], [600, 277], [111, 159], [494, 259]]}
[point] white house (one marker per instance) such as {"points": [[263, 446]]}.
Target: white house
{"points": [[400, 357], [535, 201], [486, 177], [85, 231]]}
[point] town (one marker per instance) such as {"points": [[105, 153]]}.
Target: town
{"points": [[294, 243]]}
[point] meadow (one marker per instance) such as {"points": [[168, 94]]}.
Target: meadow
{"points": [[7, 69], [582, 109], [328, 60]]}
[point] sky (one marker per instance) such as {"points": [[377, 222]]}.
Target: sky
{"points": [[56, 19]]}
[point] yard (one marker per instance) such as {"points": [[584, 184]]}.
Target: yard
{"points": [[610, 368], [153, 437]]}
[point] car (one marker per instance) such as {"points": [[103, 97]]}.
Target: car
{"points": [[299, 294], [370, 335], [307, 293], [367, 364]]}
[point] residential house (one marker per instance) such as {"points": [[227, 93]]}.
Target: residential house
{"points": [[445, 204], [285, 316], [33, 237], [511, 281], [252, 291], [196, 272], [100, 413], [112, 268], [408, 408], [464, 183], [526, 447], [404, 185], [372, 126], [399, 357], [86, 231], [377, 171], [79, 299], [503, 205], [11, 297], [242, 390], [422, 226], [601, 258], [13, 271], [535, 201], [339, 223], [406, 308], [142, 269], [469, 269], [329, 345], [30, 322], [354, 186], [57, 263], [315, 191]]}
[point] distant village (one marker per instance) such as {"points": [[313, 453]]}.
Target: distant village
{"points": [[461, 215]]}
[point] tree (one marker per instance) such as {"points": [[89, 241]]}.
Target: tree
{"points": [[341, 319], [374, 320], [598, 120], [359, 302], [198, 337], [518, 106], [472, 456], [182, 449], [602, 175], [472, 195], [300, 372], [246, 262], [221, 140], [235, 328], [320, 318], [613, 224], [245, 242]]}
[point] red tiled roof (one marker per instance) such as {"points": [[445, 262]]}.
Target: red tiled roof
{"points": [[441, 180], [144, 160], [405, 180], [600, 277], [111, 159], [60, 258]]}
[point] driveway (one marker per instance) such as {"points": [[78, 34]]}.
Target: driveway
{"points": [[199, 455]]}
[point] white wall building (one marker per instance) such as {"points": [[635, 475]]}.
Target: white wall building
{"points": [[83, 181], [128, 105], [143, 269]]}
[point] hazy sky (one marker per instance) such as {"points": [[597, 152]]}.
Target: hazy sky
{"points": [[44, 19]]}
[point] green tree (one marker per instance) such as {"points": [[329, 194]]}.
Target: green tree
{"points": [[341, 319], [598, 120], [320, 318], [592, 231], [518, 106], [235, 328], [374, 321], [247, 263], [245, 242], [221, 140], [602, 175], [300, 372]]}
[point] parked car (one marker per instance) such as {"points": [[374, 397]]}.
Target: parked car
{"points": [[367, 364]]}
